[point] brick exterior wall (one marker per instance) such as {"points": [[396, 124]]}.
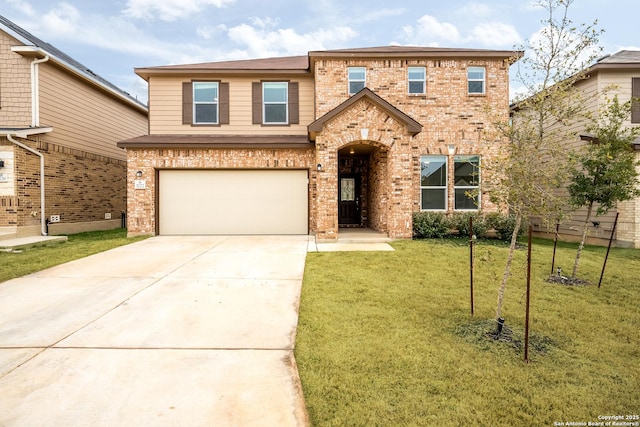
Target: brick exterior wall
{"points": [[449, 117], [142, 206], [79, 186]]}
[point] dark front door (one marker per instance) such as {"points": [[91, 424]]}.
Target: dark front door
{"points": [[349, 200]]}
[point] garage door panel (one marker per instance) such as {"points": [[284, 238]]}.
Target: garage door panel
{"points": [[233, 202]]}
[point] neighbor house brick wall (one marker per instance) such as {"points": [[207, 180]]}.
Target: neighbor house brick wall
{"points": [[142, 203], [79, 186], [449, 116]]}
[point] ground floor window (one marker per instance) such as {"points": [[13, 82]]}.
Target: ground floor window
{"points": [[466, 182], [433, 183], [436, 182]]}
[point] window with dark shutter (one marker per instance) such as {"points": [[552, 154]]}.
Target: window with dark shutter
{"points": [[635, 94], [294, 109]]}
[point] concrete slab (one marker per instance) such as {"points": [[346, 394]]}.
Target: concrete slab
{"points": [[193, 388], [10, 358], [348, 247], [30, 241], [199, 313], [38, 312], [166, 331]]}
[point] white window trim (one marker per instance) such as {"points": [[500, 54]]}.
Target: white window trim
{"points": [[483, 80], [350, 80], [467, 187], [215, 102], [423, 81], [264, 104], [438, 187]]}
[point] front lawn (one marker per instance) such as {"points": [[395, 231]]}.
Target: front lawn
{"points": [[30, 260], [386, 338]]}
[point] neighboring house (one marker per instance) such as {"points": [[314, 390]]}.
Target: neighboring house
{"points": [[617, 74], [61, 122], [309, 144]]}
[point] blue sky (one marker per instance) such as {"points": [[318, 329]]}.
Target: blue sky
{"points": [[112, 37]]}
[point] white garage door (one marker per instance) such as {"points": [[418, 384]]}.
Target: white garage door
{"points": [[233, 202]]}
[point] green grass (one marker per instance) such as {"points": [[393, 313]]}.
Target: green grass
{"points": [[386, 338], [30, 260]]}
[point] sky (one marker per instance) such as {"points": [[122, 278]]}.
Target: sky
{"points": [[112, 37]]}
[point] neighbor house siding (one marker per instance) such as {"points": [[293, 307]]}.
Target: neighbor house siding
{"points": [[166, 115], [15, 86], [84, 118]]}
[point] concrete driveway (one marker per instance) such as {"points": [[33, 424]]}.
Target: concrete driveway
{"points": [[169, 331]]}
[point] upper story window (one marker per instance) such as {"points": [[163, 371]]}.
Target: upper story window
{"points": [[357, 79], [476, 80], [466, 182], [433, 183], [275, 99], [417, 80], [205, 102]]}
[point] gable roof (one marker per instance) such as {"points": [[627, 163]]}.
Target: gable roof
{"points": [[35, 47], [621, 60], [303, 64], [413, 127]]}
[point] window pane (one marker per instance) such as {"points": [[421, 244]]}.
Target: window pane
{"points": [[205, 92], [275, 113], [355, 87], [433, 171], [416, 87], [275, 92], [475, 73], [357, 73], [416, 73], [206, 113], [433, 199], [464, 201], [476, 87], [467, 171]]}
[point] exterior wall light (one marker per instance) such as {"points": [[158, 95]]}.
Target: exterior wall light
{"points": [[319, 167], [139, 174], [452, 149]]}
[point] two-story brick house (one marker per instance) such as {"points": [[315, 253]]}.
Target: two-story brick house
{"points": [[60, 168], [310, 144]]}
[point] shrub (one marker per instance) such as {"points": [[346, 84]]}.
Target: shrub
{"points": [[430, 225], [460, 222], [503, 225]]}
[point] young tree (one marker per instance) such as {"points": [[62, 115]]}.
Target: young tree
{"points": [[534, 163], [606, 171]]}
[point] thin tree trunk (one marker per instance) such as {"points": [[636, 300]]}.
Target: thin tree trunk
{"points": [[507, 269], [585, 228]]}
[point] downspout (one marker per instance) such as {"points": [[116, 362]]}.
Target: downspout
{"points": [[43, 224], [35, 91]]}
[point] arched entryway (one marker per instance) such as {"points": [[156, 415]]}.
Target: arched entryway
{"points": [[362, 196]]}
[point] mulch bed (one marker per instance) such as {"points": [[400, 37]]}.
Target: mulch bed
{"points": [[567, 281]]}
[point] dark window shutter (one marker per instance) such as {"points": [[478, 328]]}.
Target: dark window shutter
{"points": [[294, 110], [635, 93], [256, 102], [223, 103], [187, 103]]}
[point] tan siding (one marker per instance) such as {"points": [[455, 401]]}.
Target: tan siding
{"points": [[165, 97], [84, 118], [15, 85]]}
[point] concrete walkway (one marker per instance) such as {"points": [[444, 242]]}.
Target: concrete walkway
{"points": [[169, 331]]}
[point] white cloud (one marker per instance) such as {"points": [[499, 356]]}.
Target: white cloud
{"points": [[495, 34], [261, 40], [429, 31], [169, 10], [62, 21], [23, 6]]}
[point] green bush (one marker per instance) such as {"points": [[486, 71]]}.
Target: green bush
{"points": [[503, 225], [430, 225], [460, 222]]}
